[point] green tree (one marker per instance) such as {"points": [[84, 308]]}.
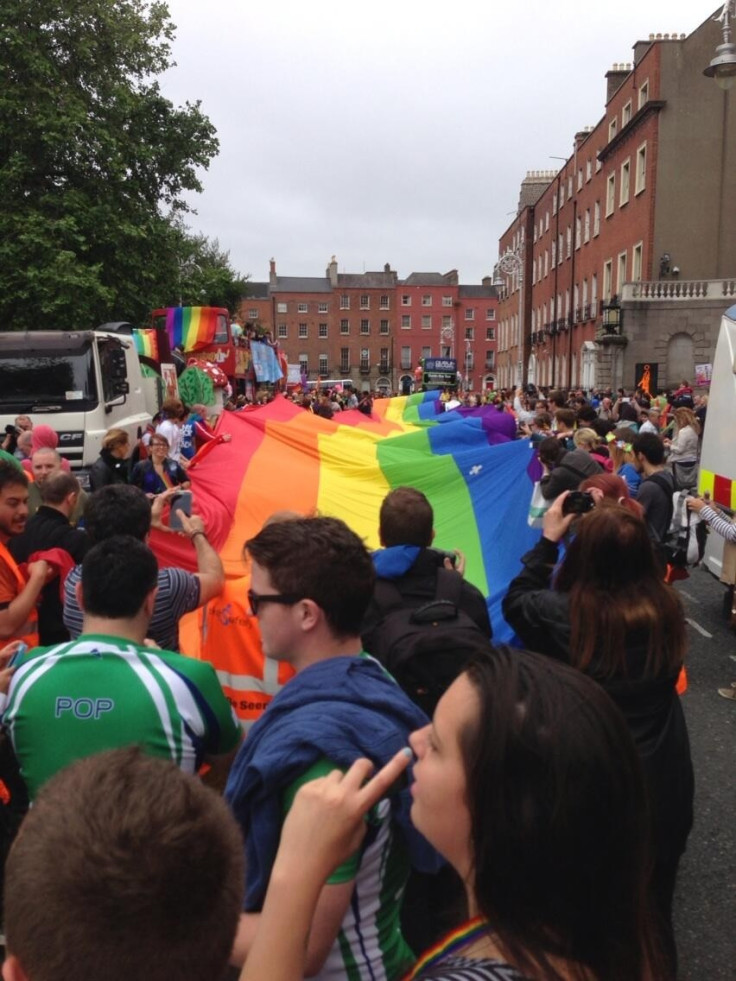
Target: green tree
{"points": [[206, 277], [94, 162]]}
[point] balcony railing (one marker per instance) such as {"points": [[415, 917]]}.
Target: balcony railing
{"points": [[683, 290], [383, 367], [586, 312]]}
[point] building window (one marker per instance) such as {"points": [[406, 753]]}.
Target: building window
{"points": [[588, 170], [302, 308], [490, 360], [612, 129], [578, 232], [607, 279], [365, 359], [365, 327], [426, 300], [490, 313], [304, 364], [470, 333], [344, 326], [383, 303], [560, 247], [446, 301], [610, 194], [303, 332], [594, 294], [641, 169], [406, 322], [636, 261], [344, 302], [546, 259], [383, 366], [344, 360], [253, 314], [322, 330], [323, 364], [621, 272], [446, 321], [546, 221], [282, 332], [365, 302], [405, 300], [562, 194], [596, 218], [405, 358], [490, 333], [586, 226], [384, 327], [625, 181], [554, 257], [569, 187], [322, 308], [470, 314], [426, 352], [644, 94], [626, 113], [426, 321], [280, 308], [554, 203]]}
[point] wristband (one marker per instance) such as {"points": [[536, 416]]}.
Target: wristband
{"points": [[194, 535]]}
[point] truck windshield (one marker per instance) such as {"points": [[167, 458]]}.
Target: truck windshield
{"points": [[53, 380]]}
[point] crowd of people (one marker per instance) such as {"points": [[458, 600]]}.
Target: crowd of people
{"points": [[551, 787]]}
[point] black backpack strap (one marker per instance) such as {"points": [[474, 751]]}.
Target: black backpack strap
{"points": [[669, 490], [449, 586], [387, 596]]}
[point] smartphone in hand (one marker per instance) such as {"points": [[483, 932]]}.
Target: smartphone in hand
{"points": [[180, 503]]}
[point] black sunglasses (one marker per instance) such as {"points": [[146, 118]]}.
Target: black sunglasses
{"points": [[255, 600]]}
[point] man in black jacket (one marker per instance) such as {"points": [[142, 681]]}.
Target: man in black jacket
{"points": [[406, 532], [50, 528]]}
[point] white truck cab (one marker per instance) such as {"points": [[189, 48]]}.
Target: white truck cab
{"points": [[81, 383]]}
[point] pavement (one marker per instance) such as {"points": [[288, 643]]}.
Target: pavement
{"points": [[705, 897]]}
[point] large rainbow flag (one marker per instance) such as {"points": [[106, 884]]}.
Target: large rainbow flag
{"points": [[282, 457], [192, 328], [146, 343]]}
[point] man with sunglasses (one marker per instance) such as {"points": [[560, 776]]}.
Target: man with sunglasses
{"points": [[311, 582]]}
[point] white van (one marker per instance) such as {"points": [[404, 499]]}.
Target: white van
{"points": [[718, 456]]}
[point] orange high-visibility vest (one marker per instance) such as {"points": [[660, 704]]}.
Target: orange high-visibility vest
{"points": [[28, 632], [224, 633]]}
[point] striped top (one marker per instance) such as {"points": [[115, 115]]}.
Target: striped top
{"points": [[178, 593], [469, 969], [75, 699], [719, 523]]}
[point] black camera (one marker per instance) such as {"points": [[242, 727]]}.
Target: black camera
{"points": [[578, 502], [12, 431]]}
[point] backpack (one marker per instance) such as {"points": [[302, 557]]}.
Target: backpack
{"points": [[684, 543], [426, 646]]}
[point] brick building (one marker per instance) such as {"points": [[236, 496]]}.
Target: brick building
{"points": [[641, 218], [373, 327]]}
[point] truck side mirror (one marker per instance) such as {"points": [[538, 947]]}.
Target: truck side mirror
{"points": [[118, 372]]}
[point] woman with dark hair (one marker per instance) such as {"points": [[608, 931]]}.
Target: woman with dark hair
{"points": [[158, 473], [608, 613], [529, 784]]}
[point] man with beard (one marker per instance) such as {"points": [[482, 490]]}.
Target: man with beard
{"points": [[18, 592]]}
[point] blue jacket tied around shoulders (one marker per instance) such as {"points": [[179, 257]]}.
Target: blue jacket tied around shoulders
{"points": [[341, 708]]}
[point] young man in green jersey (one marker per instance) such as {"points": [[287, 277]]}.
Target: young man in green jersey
{"points": [[107, 689]]}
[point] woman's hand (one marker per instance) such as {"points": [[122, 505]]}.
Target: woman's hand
{"points": [[555, 523], [325, 824]]}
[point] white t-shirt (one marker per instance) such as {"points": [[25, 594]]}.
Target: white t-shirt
{"points": [[172, 432]]}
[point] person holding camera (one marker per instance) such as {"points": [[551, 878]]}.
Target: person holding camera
{"points": [[564, 470], [608, 612]]}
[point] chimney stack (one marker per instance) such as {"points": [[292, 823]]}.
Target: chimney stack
{"points": [[272, 272]]}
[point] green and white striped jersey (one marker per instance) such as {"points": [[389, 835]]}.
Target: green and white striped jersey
{"points": [[100, 692]]}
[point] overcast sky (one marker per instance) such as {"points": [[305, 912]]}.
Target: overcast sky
{"points": [[392, 131]]}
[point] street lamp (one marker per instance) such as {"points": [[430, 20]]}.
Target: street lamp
{"points": [[723, 67], [509, 263], [468, 364]]}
